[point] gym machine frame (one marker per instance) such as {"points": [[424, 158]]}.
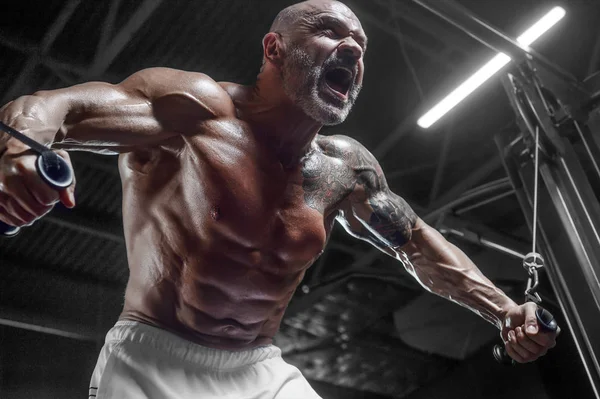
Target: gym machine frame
{"points": [[567, 114]]}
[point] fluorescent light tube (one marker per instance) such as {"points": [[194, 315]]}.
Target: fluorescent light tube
{"points": [[489, 69]]}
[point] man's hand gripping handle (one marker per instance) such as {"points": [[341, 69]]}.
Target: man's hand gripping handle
{"points": [[53, 170]]}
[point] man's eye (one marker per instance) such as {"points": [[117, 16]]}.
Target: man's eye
{"points": [[330, 32]]}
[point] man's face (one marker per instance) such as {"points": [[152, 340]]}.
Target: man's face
{"points": [[323, 68]]}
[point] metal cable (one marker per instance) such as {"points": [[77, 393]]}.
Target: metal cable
{"points": [[535, 187]]}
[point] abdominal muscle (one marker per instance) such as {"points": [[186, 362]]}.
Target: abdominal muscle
{"points": [[204, 286], [197, 278], [220, 294], [209, 308]]}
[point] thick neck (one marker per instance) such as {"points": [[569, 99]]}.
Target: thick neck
{"points": [[287, 130]]}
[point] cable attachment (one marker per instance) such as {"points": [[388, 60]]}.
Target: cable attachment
{"points": [[532, 262]]}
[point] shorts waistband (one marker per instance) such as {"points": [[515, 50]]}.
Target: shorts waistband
{"points": [[165, 341]]}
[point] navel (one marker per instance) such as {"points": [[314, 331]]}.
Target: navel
{"points": [[215, 213]]}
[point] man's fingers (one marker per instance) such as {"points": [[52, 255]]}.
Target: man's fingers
{"points": [[39, 190], [30, 196], [16, 186], [545, 339], [14, 210], [531, 323], [67, 196], [527, 343], [511, 352], [523, 353], [5, 216], [528, 340]]}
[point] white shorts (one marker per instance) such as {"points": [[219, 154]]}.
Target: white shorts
{"points": [[140, 361]]}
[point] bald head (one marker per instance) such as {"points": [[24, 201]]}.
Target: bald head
{"points": [[315, 51], [291, 16]]}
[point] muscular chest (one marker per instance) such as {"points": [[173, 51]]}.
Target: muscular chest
{"points": [[239, 193]]}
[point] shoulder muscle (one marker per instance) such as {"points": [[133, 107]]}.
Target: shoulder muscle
{"points": [[180, 99], [367, 171]]}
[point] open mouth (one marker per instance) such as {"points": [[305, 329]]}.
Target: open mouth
{"points": [[339, 80]]}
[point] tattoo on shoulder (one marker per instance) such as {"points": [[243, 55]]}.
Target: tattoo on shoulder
{"points": [[337, 170], [325, 181], [332, 172]]}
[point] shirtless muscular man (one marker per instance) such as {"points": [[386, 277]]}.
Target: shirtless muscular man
{"points": [[229, 195]]}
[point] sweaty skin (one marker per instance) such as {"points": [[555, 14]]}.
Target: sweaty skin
{"points": [[219, 234], [230, 193]]}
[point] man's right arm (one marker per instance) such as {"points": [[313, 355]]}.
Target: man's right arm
{"points": [[149, 107]]}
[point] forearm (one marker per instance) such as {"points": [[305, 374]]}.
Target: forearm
{"points": [[93, 116], [445, 270], [375, 214], [36, 116]]}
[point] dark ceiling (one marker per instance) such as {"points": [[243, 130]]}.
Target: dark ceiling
{"points": [[345, 325]]}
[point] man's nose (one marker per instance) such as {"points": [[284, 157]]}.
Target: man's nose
{"points": [[350, 48]]}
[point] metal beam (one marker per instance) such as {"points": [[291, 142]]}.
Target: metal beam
{"points": [[95, 229], [462, 18], [402, 129], [447, 200], [55, 29], [463, 210], [480, 234], [110, 230], [26, 48], [568, 237], [63, 76], [411, 68], [399, 10], [395, 174], [420, 20], [376, 22], [47, 325], [124, 36], [594, 65], [107, 27], [441, 167], [57, 65]]}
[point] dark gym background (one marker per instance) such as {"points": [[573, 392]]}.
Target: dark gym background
{"points": [[359, 326]]}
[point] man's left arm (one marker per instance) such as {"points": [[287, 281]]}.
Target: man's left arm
{"points": [[372, 212]]}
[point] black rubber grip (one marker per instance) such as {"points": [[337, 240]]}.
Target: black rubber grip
{"points": [[546, 322], [8, 230], [54, 170]]}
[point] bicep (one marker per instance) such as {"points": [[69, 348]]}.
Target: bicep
{"points": [[147, 108], [383, 218]]}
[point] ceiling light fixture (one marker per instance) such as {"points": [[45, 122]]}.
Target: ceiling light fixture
{"points": [[490, 69]]}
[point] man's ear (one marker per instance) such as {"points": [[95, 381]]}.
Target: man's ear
{"points": [[272, 48]]}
